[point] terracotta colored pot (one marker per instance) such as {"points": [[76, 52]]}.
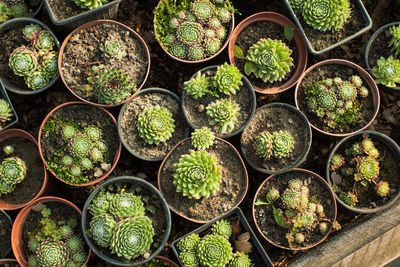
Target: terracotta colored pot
{"points": [[184, 216], [18, 227], [321, 180], [302, 53], [232, 26], [17, 133], [88, 25], [365, 77], [116, 157], [166, 260]]}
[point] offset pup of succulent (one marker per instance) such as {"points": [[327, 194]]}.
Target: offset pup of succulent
{"points": [[224, 114], [395, 41], [279, 144], [202, 138], [90, 4]]}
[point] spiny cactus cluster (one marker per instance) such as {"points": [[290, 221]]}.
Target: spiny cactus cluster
{"points": [[37, 63], [5, 111], [202, 138], [120, 224], [12, 172], [13, 10], [90, 4], [279, 144]]}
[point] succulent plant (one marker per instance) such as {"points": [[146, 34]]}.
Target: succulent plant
{"points": [[197, 174], [263, 145], [18, 10], [221, 32], [222, 228], [113, 49], [155, 125], [323, 227], [195, 52], [327, 100], [79, 257], [273, 193], [227, 79], [382, 188], [126, 205], [190, 33], [44, 42], [299, 238], [80, 145], [224, 14], [12, 170], [37, 79], [387, 71], [209, 33], [202, 138], [93, 132], [178, 50], [75, 171], [5, 188], [23, 61], [212, 45], [297, 5], [270, 59], [52, 254], [33, 261], [291, 198], [31, 31], [197, 86], [215, 23], [367, 169], [188, 243], [100, 203], [349, 198], [5, 111], [49, 64], [336, 162], [74, 244], [68, 131], [66, 231], [202, 9], [347, 91], [3, 12], [90, 4], [8, 149], [214, 250], [224, 114], [189, 258], [240, 259], [96, 154], [101, 228], [395, 41], [283, 144]]}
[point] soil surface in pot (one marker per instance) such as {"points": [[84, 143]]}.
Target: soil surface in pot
{"points": [[264, 213], [129, 120], [83, 115], [82, 52], [366, 104], [380, 47], [63, 9], [230, 191], [275, 119], [251, 35], [5, 235], [196, 113], [33, 182]]}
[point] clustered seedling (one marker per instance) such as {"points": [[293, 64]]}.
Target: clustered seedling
{"points": [[90, 4], [12, 172], [296, 211], [202, 138], [37, 62], [13, 10], [56, 242], [279, 144], [193, 30], [5, 111]]}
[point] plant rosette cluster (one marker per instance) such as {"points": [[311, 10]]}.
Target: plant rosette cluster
{"points": [[15, 9], [55, 242], [278, 144], [12, 171], [90, 4], [36, 62], [6, 113], [193, 30]]}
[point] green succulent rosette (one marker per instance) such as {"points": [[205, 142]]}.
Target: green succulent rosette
{"points": [[189, 258], [190, 242], [101, 228], [240, 259], [23, 61], [222, 228], [51, 253], [202, 138], [214, 250], [90, 4], [49, 64], [197, 86], [13, 170], [37, 80], [80, 145], [263, 145], [190, 33], [283, 144], [5, 111], [202, 9], [44, 42], [227, 79], [387, 71], [224, 114], [126, 205]]}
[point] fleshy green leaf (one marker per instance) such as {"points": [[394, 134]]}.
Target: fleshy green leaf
{"points": [[289, 32], [279, 218], [248, 67], [238, 52]]}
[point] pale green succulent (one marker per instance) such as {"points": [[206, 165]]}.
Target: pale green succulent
{"points": [[23, 61], [336, 162], [190, 33], [212, 45], [240, 259], [188, 243], [224, 14], [202, 138], [382, 188], [51, 253], [74, 244], [100, 203], [68, 131], [202, 9], [5, 111], [214, 250], [197, 86], [227, 79], [37, 79], [222, 228], [6, 188], [101, 228], [283, 144], [31, 31], [79, 257], [113, 49], [126, 205], [263, 145], [13, 170], [387, 71], [395, 41], [93, 132], [327, 100], [224, 114], [178, 50], [90, 4], [367, 169]]}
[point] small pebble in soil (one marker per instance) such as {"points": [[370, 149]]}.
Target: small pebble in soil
{"points": [[99, 172], [200, 108], [336, 178]]}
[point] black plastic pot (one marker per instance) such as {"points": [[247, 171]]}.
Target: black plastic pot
{"points": [[390, 144], [367, 27], [259, 256], [38, 9], [6, 98], [252, 95], [8, 84], [107, 11], [140, 182], [3, 213]]}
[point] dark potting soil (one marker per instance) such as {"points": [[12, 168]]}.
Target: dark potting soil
{"points": [[331, 71], [196, 113], [251, 35], [82, 52], [5, 235], [33, 182], [388, 171], [264, 213], [276, 119], [231, 189], [129, 120], [83, 115], [380, 48]]}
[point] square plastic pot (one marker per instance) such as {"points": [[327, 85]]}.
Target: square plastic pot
{"points": [[4, 96]]}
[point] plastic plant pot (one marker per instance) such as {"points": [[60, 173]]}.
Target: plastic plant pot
{"points": [[389, 144], [14, 120], [167, 261], [113, 259], [19, 22], [258, 256], [368, 49], [302, 54], [252, 99], [8, 261], [367, 27], [106, 11], [4, 214]]}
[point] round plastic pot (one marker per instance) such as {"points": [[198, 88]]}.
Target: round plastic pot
{"points": [[18, 227], [167, 261], [106, 11], [390, 144], [300, 46], [249, 87], [142, 183], [88, 25], [322, 181], [365, 77], [124, 107], [230, 31], [7, 261], [303, 156], [8, 84], [6, 98], [371, 40], [38, 9], [116, 157], [11, 225], [17, 133]]}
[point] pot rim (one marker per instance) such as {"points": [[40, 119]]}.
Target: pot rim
{"points": [[11, 225]]}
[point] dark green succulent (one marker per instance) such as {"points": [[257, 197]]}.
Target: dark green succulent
{"points": [[23, 61], [37, 79], [101, 228], [195, 52], [178, 50], [190, 33], [395, 41], [13, 170], [51, 253], [80, 145], [224, 114], [100, 203], [297, 5], [74, 244], [202, 9], [224, 14], [348, 198], [214, 250], [6, 188], [49, 64], [212, 45]]}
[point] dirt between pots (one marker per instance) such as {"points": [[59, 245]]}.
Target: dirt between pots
{"points": [[82, 52], [129, 120], [264, 213], [5, 235], [33, 182], [366, 111], [230, 191], [380, 47], [251, 35], [275, 119]]}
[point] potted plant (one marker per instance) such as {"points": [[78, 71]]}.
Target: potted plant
{"points": [[151, 124], [213, 244], [219, 97], [20, 8], [362, 170], [8, 115], [23, 177], [261, 36], [107, 68], [46, 233], [79, 143], [338, 97], [326, 25], [203, 177], [28, 61], [5, 234], [126, 221], [193, 31], [277, 139], [294, 210]]}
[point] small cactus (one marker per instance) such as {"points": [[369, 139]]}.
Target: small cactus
{"points": [[224, 114]]}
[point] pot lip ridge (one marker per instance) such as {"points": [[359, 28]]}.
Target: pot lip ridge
{"points": [[11, 225]]}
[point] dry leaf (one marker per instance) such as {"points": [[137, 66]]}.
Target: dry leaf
{"points": [[242, 244]]}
